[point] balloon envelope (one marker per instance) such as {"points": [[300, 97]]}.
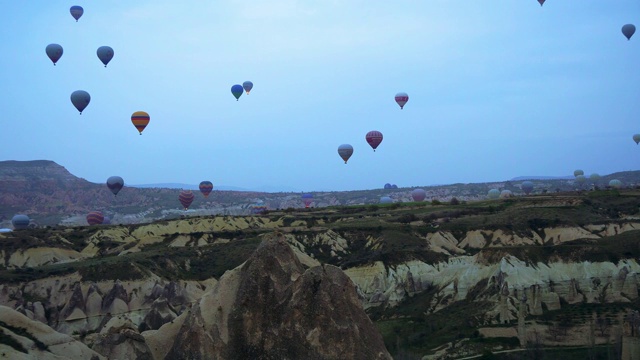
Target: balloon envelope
{"points": [[76, 11], [140, 120], [237, 90], [578, 172], [95, 218], [386, 200], [106, 221], [54, 52], [247, 85], [628, 30], [105, 54], [504, 194], [387, 186], [615, 183], [527, 187], [541, 2], [186, 198], [115, 184], [307, 199], [493, 194], [345, 151], [205, 188], [594, 177], [401, 99], [394, 186], [580, 179], [80, 99], [20, 222], [636, 138], [418, 194], [374, 138]]}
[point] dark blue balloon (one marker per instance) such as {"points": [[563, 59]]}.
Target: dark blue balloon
{"points": [[20, 222], [387, 186], [394, 186], [76, 11], [237, 91]]}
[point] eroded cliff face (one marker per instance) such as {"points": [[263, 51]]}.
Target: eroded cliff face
{"points": [[74, 307], [272, 308], [23, 338]]}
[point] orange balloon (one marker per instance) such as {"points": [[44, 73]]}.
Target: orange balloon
{"points": [[140, 120]]}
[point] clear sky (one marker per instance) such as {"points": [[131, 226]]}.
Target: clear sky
{"points": [[498, 89]]}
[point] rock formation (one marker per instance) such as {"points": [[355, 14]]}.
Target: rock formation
{"points": [[272, 308], [23, 338]]}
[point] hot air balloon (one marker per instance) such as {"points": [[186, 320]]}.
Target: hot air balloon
{"points": [[386, 200], [628, 30], [205, 188], [387, 186], [418, 194], [636, 138], [140, 120], [578, 172], [105, 54], [80, 99], [594, 177], [374, 138], [580, 179], [527, 187], [615, 183], [345, 151], [505, 194], [493, 194], [115, 184], [401, 99], [237, 90], [247, 85], [106, 221], [95, 218], [307, 199], [76, 11], [54, 52], [20, 222], [394, 186], [186, 198], [541, 2]]}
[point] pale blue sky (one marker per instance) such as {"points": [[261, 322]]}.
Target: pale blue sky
{"points": [[497, 89]]}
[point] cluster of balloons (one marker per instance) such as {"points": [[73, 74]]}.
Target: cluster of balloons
{"points": [[80, 98], [373, 137], [390, 186], [237, 90], [627, 30], [116, 183]]}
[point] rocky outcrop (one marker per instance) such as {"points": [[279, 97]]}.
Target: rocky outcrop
{"points": [[24, 338], [71, 306], [120, 339], [271, 307], [543, 284]]}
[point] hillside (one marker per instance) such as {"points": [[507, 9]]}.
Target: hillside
{"points": [[51, 195], [437, 279]]}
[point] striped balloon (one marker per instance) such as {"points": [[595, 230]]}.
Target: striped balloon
{"points": [[206, 187], [95, 218], [374, 138], [140, 120], [186, 198], [401, 99]]}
